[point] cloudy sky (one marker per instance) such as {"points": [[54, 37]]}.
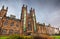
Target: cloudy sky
{"points": [[47, 11]]}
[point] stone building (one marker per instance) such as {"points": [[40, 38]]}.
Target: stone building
{"points": [[52, 30], [26, 25], [41, 28]]}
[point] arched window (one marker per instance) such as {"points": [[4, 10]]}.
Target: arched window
{"points": [[4, 31], [5, 23], [17, 25], [16, 32], [10, 31], [12, 24], [29, 26]]}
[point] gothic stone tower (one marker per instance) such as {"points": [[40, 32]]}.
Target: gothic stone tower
{"points": [[24, 26], [24, 18], [3, 13], [28, 21]]}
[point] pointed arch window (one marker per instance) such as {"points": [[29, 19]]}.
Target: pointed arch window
{"points": [[17, 32], [10, 31], [17, 25], [29, 26], [5, 23], [12, 24], [4, 31]]}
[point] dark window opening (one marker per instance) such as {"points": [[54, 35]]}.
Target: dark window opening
{"points": [[4, 31], [17, 25], [5, 23], [11, 31], [29, 26], [16, 32], [7, 19], [29, 33], [29, 23], [12, 24], [0, 28]]}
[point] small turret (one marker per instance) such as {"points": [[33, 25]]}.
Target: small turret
{"points": [[44, 24], [31, 10], [26, 6], [23, 5], [34, 11], [7, 8], [49, 25], [3, 7]]}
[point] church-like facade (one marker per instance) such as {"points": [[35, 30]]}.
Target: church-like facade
{"points": [[26, 25]]}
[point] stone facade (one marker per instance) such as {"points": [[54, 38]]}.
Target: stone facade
{"points": [[26, 25]]}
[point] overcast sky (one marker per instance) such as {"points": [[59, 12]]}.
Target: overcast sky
{"points": [[47, 11]]}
